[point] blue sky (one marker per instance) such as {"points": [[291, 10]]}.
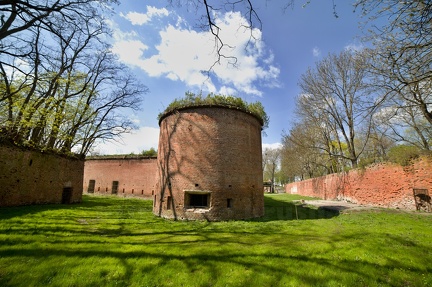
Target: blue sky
{"points": [[167, 52]]}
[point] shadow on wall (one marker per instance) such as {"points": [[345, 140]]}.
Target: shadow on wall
{"points": [[277, 210], [214, 183]]}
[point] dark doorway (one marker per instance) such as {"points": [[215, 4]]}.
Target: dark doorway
{"points": [[114, 188], [67, 195], [91, 186], [229, 202]]}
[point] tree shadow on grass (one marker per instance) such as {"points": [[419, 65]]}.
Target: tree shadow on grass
{"points": [[249, 254], [281, 210], [88, 202], [250, 261]]}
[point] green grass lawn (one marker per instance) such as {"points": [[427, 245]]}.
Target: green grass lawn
{"points": [[110, 241]]}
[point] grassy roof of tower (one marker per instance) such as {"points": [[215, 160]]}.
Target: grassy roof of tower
{"points": [[191, 100]]}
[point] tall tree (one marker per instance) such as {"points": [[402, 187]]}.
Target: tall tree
{"points": [[307, 152], [21, 15], [380, 140], [404, 124], [402, 58], [335, 93], [63, 88], [271, 163]]}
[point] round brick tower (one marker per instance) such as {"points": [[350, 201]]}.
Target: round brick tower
{"points": [[210, 164]]}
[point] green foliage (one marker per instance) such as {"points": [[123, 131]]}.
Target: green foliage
{"points": [[151, 152], [403, 154], [192, 100], [111, 241], [366, 161]]}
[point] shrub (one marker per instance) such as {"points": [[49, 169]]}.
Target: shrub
{"points": [[403, 154], [192, 100]]}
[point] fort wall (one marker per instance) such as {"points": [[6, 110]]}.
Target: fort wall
{"points": [[386, 185], [32, 177], [123, 176]]}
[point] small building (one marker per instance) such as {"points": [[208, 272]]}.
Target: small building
{"points": [[268, 186], [127, 175]]}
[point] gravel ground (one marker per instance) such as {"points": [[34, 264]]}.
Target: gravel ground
{"points": [[338, 205], [343, 206]]}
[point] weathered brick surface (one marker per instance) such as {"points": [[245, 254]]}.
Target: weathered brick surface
{"points": [[136, 176], [211, 150], [31, 177], [386, 185]]}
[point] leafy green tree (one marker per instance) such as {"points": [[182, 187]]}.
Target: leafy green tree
{"points": [[150, 153], [305, 154], [403, 154]]}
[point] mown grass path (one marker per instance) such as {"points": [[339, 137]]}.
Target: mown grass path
{"points": [[109, 241]]}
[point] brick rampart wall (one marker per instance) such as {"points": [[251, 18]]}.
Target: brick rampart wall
{"points": [[31, 177], [386, 185], [136, 176], [213, 154]]}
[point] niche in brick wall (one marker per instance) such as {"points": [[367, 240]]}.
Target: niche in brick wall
{"points": [[197, 199]]}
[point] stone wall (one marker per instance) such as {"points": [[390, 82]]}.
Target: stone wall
{"points": [[386, 185], [210, 163], [124, 176], [31, 177]]}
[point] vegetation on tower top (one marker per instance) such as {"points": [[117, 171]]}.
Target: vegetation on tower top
{"points": [[191, 100]]}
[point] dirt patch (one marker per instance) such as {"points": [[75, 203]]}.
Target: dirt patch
{"points": [[345, 207], [339, 205]]}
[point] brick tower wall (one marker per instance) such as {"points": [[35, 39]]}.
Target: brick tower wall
{"points": [[210, 165], [124, 176], [386, 185], [32, 177]]}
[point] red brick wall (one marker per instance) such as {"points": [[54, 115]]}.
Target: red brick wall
{"points": [[31, 177], [386, 185], [136, 176], [216, 151]]}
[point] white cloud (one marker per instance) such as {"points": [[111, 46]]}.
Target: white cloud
{"points": [[137, 18], [129, 51], [180, 53], [270, 59], [18, 69], [224, 90], [185, 55], [271, 145], [142, 139], [316, 52]]}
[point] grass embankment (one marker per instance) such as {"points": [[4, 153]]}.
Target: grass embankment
{"points": [[118, 242]]}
